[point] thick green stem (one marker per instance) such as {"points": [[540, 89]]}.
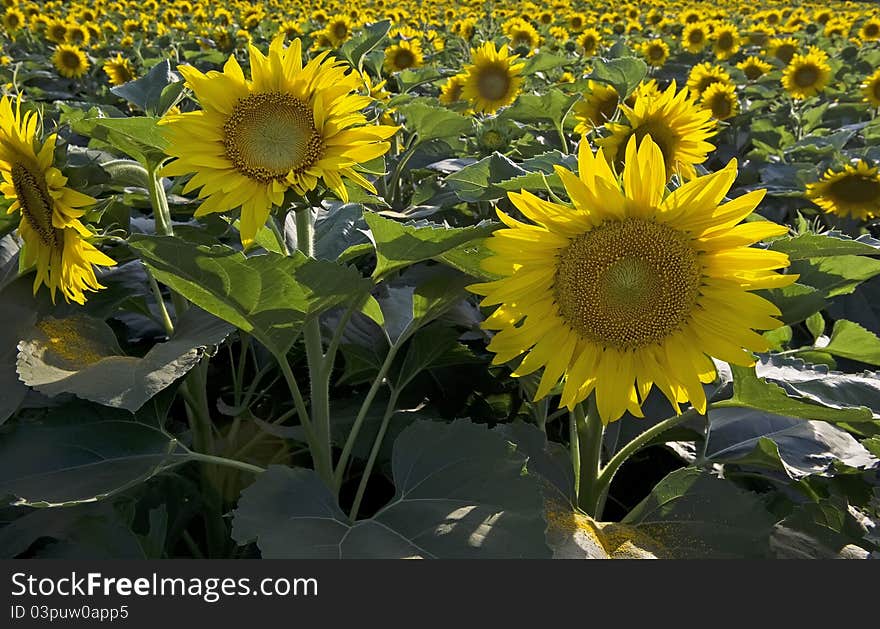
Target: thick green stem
{"points": [[590, 431], [638, 443], [362, 414], [319, 379], [374, 454], [219, 460]]}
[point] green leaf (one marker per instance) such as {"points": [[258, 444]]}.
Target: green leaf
{"points": [[749, 391], [155, 92], [431, 121], [810, 245], [139, 138], [837, 275], [543, 61], [850, 340], [821, 385], [399, 245], [355, 49], [693, 514], [552, 106], [624, 74], [479, 181], [816, 325], [461, 493], [431, 347], [80, 355], [269, 296], [78, 453], [797, 302], [798, 447]]}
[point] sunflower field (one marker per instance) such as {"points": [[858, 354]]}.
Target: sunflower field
{"points": [[371, 279]]}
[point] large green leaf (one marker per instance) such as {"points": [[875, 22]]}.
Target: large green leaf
{"points": [[624, 74], [461, 493], [80, 355], [79, 453], [693, 514], [432, 121], [155, 92], [798, 447], [850, 340], [355, 49], [479, 181], [140, 138], [399, 245], [269, 296], [810, 245], [749, 391], [552, 106]]}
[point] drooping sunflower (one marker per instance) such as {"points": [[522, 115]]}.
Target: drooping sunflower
{"points": [[726, 41], [675, 122], [631, 288], [70, 61], [452, 89], [705, 74], [590, 40], [50, 226], [286, 128], [871, 89], [596, 108], [655, 51], [851, 192], [493, 78], [720, 99], [754, 67], [403, 55], [119, 70], [805, 76], [694, 37]]}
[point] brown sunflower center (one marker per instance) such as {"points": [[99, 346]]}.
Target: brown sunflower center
{"points": [[753, 71], [627, 284], [696, 36], [725, 41], [404, 58], [656, 52], [785, 52], [877, 89], [871, 30], [721, 106], [36, 204], [493, 82], [806, 76], [856, 189], [69, 59], [271, 134]]}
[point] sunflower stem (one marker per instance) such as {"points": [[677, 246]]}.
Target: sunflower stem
{"points": [[607, 474], [590, 431], [319, 376], [374, 454]]}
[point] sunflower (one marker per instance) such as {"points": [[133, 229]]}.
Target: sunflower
{"points": [[726, 41], [13, 19], [631, 288], [403, 55], [754, 67], [871, 89], [720, 99], [50, 226], [677, 124], [523, 36], [118, 70], [70, 61], [577, 22], [783, 49], [805, 76], [590, 40], [853, 191], [705, 74], [597, 107], [286, 128], [492, 80], [694, 37], [338, 29], [655, 51], [870, 30], [77, 35], [452, 89]]}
